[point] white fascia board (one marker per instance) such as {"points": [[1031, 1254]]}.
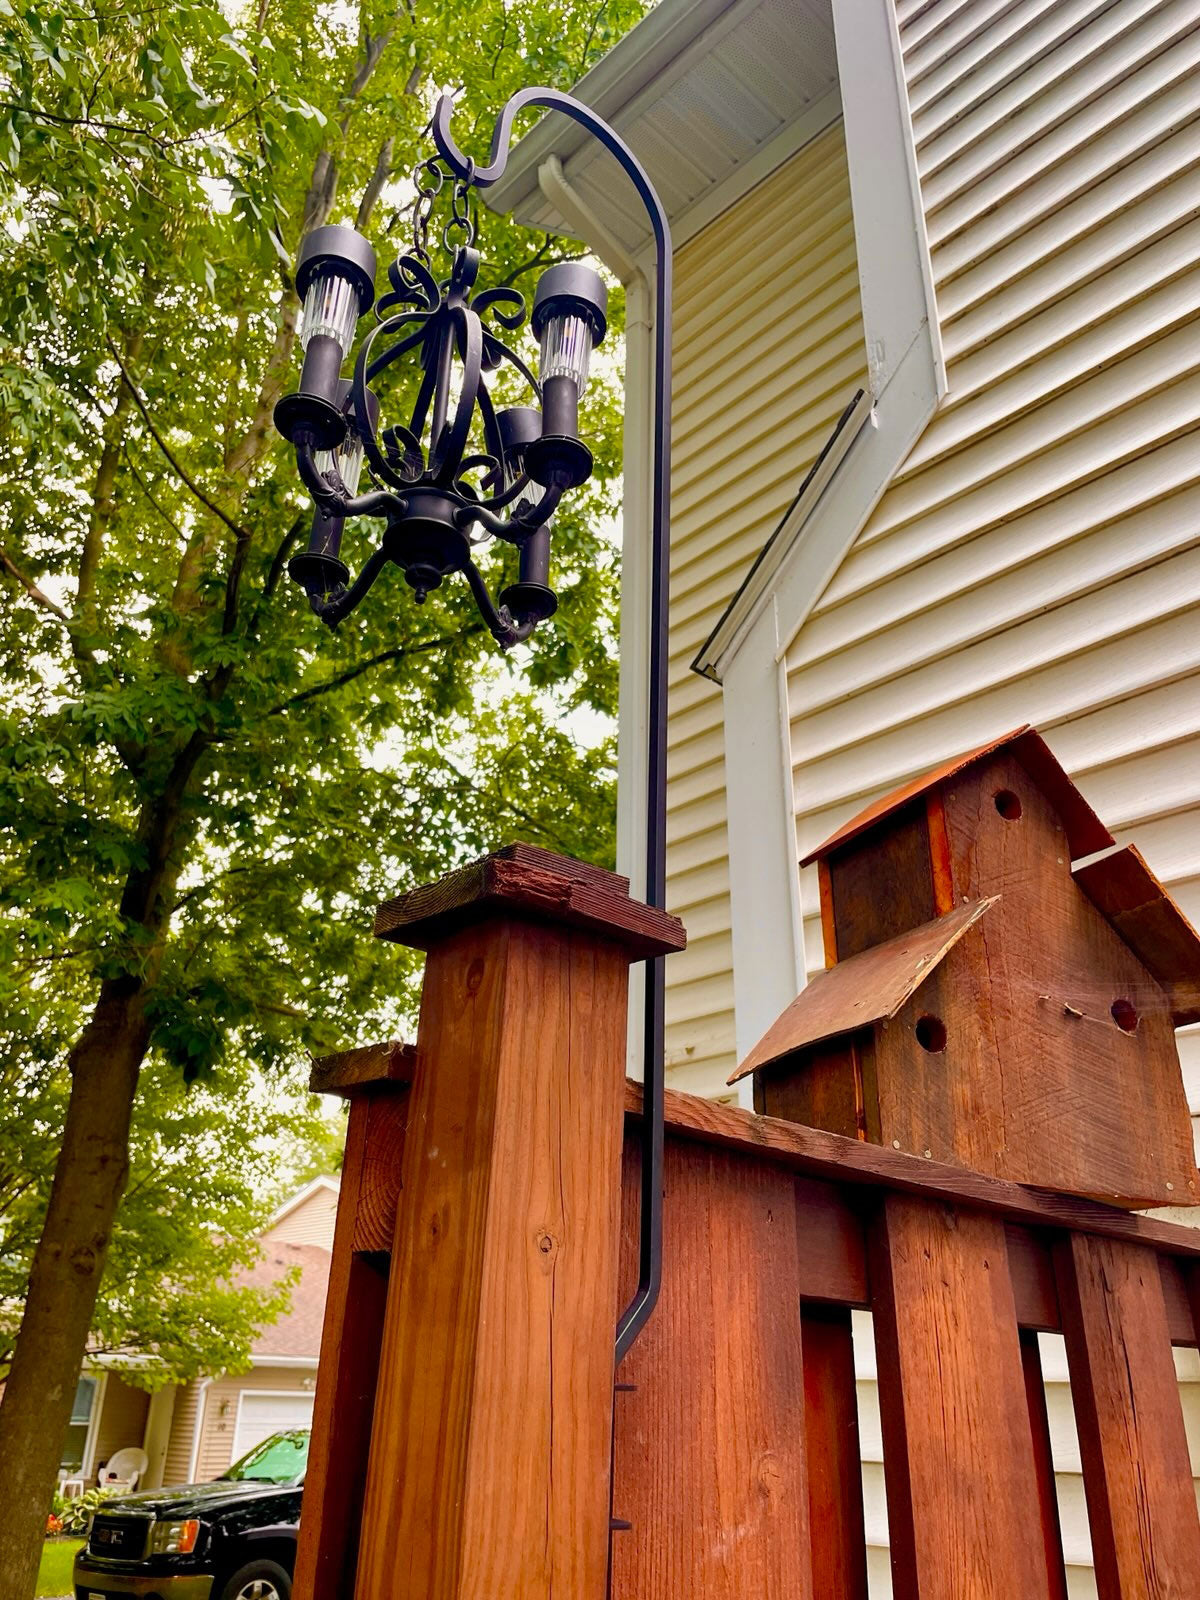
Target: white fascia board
{"points": [[656, 51], [306, 1363]]}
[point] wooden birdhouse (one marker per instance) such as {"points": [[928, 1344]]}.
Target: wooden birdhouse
{"points": [[988, 1002]]}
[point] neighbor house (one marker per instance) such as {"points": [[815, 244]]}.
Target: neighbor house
{"points": [[193, 1431], [936, 461]]}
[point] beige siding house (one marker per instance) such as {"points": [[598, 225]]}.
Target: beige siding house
{"points": [[193, 1431], [936, 464]]}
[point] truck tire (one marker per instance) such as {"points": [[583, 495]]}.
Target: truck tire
{"points": [[258, 1580]]}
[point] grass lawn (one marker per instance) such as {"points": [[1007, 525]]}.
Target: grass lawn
{"points": [[54, 1574]]}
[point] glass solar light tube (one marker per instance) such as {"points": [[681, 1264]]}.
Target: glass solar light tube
{"points": [[569, 319], [531, 598], [335, 281], [320, 569]]}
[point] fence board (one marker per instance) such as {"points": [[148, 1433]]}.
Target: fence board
{"points": [[957, 1446], [709, 1450], [1136, 1474], [835, 1498]]}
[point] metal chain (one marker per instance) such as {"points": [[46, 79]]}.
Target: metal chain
{"points": [[428, 179], [462, 219]]}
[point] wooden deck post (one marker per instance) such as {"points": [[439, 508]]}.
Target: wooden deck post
{"points": [[490, 1448]]}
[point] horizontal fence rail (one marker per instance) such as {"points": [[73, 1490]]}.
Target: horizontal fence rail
{"points": [[736, 1451]]}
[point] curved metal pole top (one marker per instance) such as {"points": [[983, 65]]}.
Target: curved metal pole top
{"points": [[650, 1270]]}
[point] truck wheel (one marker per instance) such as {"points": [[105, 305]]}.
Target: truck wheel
{"points": [[258, 1580]]}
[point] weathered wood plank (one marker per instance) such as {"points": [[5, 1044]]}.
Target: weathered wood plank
{"points": [[327, 1549], [1136, 1474], [709, 1463], [349, 1071], [522, 879], [957, 1447], [835, 1500], [1035, 1399], [851, 1162]]}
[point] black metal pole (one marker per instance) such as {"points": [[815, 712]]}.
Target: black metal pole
{"points": [[642, 1305]]}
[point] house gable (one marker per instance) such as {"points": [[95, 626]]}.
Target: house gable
{"points": [[308, 1217]]}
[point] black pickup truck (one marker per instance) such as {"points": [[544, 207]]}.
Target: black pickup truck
{"points": [[233, 1539]]}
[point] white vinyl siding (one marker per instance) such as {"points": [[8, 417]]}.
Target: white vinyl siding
{"points": [[768, 351], [1037, 558]]}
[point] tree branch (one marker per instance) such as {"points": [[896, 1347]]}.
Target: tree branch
{"points": [[381, 174], [396, 653], [31, 588], [180, 471]]}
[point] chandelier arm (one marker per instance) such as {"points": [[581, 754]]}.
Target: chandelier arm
{"points": [[344, 600], [501, 625], [642, 1305], [516, 528], [493, 343], [338, 502], [401, 347]]}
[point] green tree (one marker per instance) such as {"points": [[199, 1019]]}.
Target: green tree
{"points": [[209, 1163], [202, 792]]}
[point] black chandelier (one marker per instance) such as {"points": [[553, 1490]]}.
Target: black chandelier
{"points": [[439, 494], [437, 500]]}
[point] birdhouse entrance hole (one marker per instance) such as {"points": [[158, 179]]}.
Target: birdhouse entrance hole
{"points": [[931, 1034], [1008, 805], [1124, 1014]]}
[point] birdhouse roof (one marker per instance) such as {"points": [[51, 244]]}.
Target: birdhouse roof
{"points": [[1123, 887], [864, 989], [1085, 832]]}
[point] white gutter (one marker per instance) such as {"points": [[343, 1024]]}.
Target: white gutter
{"points": [[633, 707]]}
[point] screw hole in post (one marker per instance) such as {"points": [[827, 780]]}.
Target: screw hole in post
{"points": [[1124, 1014], [931, 1034], [1008, 805]]}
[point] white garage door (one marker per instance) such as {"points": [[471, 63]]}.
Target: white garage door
{"points": [[260, 1415]]}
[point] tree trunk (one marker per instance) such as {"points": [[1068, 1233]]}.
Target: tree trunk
{"points": [[89, 1179]]}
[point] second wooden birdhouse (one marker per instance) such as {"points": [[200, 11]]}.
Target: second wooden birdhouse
{"points": [[987, 1002]]}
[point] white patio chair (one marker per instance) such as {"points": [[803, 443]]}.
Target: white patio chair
{"points": [[123, 1469]]}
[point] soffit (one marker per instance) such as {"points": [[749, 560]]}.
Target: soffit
{"points": [[698, 89]]}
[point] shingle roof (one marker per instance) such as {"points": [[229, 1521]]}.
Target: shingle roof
{"points": [[298, 1331]]}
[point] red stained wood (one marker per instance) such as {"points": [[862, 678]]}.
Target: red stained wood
{"points": [[709, 1464], [848, 1161], [939, 853], [523, 880], [1136, 1474], [835, 1501], [862, 989], [828, 931], [1123, 887], [489, 1467], [1035, 1398], [1085, 831], [327, 1550], [882, 884], [349, 1071], [957, 1447], [1031, 1272], [1082, 1104]]}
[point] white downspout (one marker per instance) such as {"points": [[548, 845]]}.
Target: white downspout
{"points": [[632, 727]]}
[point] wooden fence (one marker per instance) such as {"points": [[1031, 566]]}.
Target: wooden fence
{"points": [[735, 1451]]}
